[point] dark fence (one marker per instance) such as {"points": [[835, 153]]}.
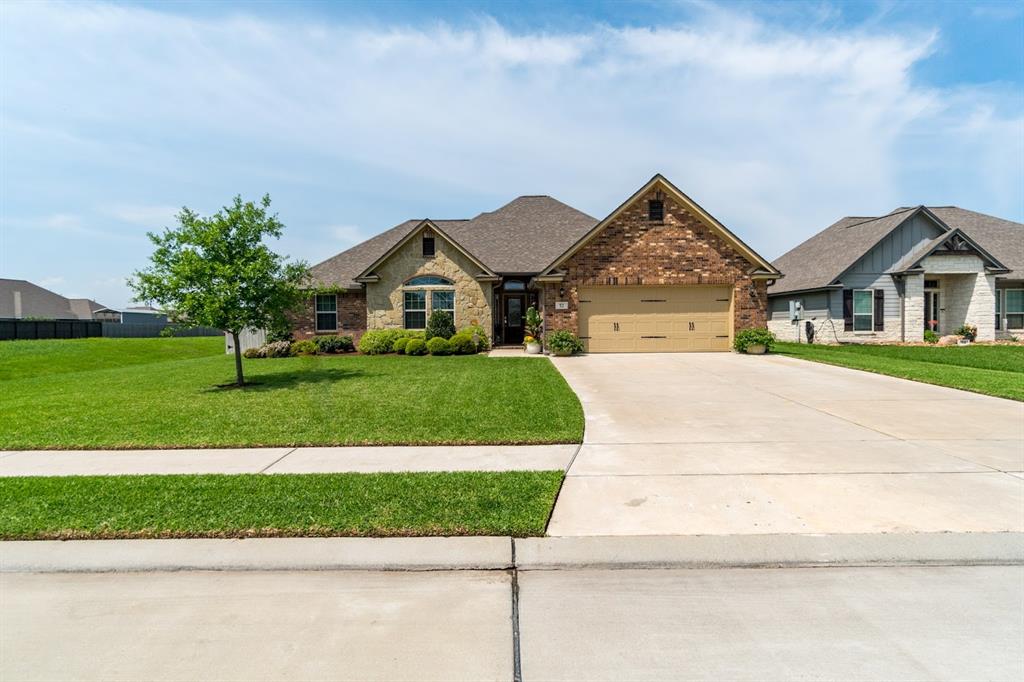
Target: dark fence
{"points": [[81, 329]]}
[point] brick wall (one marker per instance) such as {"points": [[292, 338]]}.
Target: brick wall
{"points": [[680, 251], [351, 317]]}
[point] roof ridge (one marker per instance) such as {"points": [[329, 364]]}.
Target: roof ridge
{"points": [[871, 220]]}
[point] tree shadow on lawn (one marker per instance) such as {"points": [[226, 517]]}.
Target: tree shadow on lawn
{"points": [[291, 379]]}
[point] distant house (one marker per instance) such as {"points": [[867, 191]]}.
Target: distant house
{"points": [[891, 277], [143, 314], [20, 299]]}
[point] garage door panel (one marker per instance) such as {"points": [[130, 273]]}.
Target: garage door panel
{"points": [[655, 319]]}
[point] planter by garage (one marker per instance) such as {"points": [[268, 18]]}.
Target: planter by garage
{"points": [[756, 349]]}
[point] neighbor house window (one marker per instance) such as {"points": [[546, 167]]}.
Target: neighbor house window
{"points": [[1014, 305], [428, 247], [415, 309], [656, 210], [999, 309], [443, 300], [863, 310], [326, 312]]}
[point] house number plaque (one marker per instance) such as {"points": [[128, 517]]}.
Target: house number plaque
{"points": [[561, 305]]}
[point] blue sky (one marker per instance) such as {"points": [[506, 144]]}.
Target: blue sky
{"points": [[776, 117]]}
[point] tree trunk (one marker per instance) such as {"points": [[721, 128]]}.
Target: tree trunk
{"points": [[239, 380]]}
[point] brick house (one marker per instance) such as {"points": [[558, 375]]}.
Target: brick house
{"points": [[891, 277], [658, 274]]}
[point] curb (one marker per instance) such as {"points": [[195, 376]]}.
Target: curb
{"points": [[768, 551], [257, 554]]}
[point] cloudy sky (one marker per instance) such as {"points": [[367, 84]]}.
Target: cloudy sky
{"points": [[777, 118]]}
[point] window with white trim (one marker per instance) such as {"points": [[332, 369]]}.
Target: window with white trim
{"points": [[443, 300], [326, 312], [1014, 305], [415, 309], [863, 310]]}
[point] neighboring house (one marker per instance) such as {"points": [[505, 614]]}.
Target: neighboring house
{"points": [[143, 315], [889, 278], [20, 299], [658, 274]]}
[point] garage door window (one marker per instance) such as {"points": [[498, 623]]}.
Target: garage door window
{"points": [[863, 310]]}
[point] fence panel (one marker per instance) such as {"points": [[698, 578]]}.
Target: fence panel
{"points": [[81, 329]]}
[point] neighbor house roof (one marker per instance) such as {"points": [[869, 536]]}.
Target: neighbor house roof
{"points": [[521, 237], [821, 260], [35, 301]]}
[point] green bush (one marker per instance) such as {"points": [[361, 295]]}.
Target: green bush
{"points": [[534, 324], [416, 346], [563, 342], [463, 344], [440, 324], [439, 346], [479, 336], [303, 348], [968, 331], [399, 345], [274, 349], [380, 341], [750, 337], [930, 336], [333, 344]]}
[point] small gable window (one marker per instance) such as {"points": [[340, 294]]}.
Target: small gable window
{"points": [[326, 312], [656, 210], [428, 246], [429, 281]]}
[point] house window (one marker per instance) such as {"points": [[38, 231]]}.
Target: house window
{"points": [[429, 281], [515, 285], [415, 309], [443, 300], [428, 247], [863, 310], [1014, 304], [326, 312], [656, 210], [999, 309], [931, 284]]}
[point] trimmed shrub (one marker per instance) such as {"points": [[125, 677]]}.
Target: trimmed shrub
{"points": [[563, 342], [750, 337], [462, 344], [440, 324], [379, 341], [333, 344], [251, 353], [303, 348], [479, 337], [399, 345], [930, 336], [276, 349], [439, 346], [416, 346]]}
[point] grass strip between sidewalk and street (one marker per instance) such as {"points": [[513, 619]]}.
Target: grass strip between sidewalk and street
{"points": [[516, 503], [996, 370]]}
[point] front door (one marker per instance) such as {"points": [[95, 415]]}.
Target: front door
{"points": [[931, 310], [512, 318]]}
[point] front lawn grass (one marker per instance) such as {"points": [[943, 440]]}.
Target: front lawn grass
{"points": [[516, 503], [318, 400], [992, 370]]}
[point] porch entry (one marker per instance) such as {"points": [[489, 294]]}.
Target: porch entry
{"points": [[513, 317], [932, 309]]}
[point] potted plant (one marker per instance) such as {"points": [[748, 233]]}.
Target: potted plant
{"points": [[968, 331], [563, 343], [754, 341], [532, 345], [534, 327]]}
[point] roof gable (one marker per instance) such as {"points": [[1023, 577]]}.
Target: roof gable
{"points": [[659, 181], [367, 273]]}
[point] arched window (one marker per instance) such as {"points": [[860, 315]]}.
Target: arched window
{"points": [[429, 281]]}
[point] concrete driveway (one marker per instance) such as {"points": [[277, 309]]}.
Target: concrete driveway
{"points": [[720, 443]]}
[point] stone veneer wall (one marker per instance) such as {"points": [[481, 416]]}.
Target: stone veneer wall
{"points": [[385, 299], [967, 293], [351, 317], [680, 251]]}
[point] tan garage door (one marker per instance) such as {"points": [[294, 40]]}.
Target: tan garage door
{"points": [[654, 319]]}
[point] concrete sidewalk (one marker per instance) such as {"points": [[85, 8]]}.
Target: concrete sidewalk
{"points": [[303, 460]]}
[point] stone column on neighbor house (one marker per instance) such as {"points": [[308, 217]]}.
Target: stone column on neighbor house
{"points": [[913, 302], [981, 308]]}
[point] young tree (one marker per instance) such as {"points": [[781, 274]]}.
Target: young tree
{"points": [[217, 272]]}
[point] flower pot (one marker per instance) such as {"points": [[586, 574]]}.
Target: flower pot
{"points": [[561, 353], [533, 348], [756, 349]]}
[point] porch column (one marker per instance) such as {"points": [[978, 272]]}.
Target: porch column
{"points": [[913, 302]]}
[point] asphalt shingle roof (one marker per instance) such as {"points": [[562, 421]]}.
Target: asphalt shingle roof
{"points": [[521, 237], [823, 258]]}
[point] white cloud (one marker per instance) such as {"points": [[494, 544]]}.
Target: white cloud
{"points": [[776, 132]]}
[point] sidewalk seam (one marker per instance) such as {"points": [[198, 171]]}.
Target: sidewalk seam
{"points": [[276, 461]]}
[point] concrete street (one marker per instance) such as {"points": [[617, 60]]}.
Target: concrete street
{"points": [[893, 623], [717, 443]]}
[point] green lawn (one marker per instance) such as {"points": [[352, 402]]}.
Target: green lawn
{"points": [[514, 503], [992, 370], [135, 393]]}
